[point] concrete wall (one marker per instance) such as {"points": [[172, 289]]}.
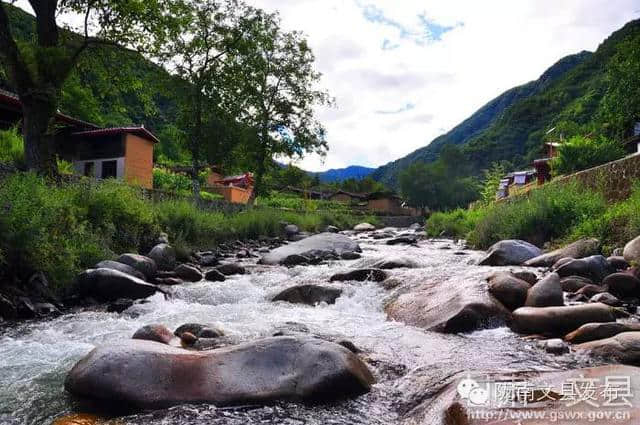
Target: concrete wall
{"points": [[614, 179], [78, 167]]}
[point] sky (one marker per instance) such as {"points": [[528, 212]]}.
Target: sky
{"points": [[405, 71], [402, 72]]}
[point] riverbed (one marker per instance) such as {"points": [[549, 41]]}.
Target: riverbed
{"points": [[407, 361]]}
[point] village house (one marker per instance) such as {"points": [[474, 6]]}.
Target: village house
{"points": [[120, 152], [347, 197], [235, 189], [387, 203]]}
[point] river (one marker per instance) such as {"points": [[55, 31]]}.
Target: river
{"points": [[35, 356]]}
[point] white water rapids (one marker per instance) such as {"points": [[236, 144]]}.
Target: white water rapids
{"points": [[35, 356]]}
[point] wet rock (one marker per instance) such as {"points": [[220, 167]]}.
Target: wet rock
{"points": [[508, 289], [291, 230], [8, 309], [364, 227], [391, 283], [188, 273], [574, 283], [623, 348], [144, 265], [109, 285], [157, 333], [382, 235], [617, 263], [594, 331], [349, 346], [559, 321], [451, 306], [25, 308], [605, 298], [263, 371], [594, 267], [208, 260], [622, 284], [38, 287], [579, 249], [214, 276], [529, 277], [546, 293], [349, 255], [309, 294], [199, 330], [164, 256], [295, 260], [395, 263], [510, 252], [187, 339], [590, 290], [291, 328], [121, 267], [361, 275], [230, 269], [169, 281], [554, 346], [449, 404], [408, 240], [299, 236], [334, 243], [46, 310], [331, 229], [119, 305]]}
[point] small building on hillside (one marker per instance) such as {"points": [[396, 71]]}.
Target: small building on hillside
{"points": [[543, 165], [516, 182], [347, 197], [388, 203], [120, 152], [236, 189]]}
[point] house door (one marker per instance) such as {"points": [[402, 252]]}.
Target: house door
{"points": [[109, 169]]}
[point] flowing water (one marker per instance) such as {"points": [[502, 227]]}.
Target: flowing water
{"points": [[35, 356]]}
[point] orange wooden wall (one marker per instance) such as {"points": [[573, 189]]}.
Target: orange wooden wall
{"points": [[138, 163]]}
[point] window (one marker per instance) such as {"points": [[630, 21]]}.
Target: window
{"points": [[89, 169], [109, 169]]}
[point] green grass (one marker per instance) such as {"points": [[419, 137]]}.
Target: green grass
{"points": [[296, 203], [551, 213], [61, 230], [11, 147]]}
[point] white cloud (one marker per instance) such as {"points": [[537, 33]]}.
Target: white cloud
{"points": [[383, 55]]}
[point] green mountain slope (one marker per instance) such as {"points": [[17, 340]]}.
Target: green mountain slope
{"points": [[571, 94]]}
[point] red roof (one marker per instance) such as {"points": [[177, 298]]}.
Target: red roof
{"points": [[241, 180], [138, 131], [12, 99]]}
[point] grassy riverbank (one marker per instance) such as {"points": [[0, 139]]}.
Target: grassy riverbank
{"points": [[63, 229], [554, 213]]}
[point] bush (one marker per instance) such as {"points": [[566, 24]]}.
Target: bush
{"points": [[165, 179], [580, 153], [11, 147], [456, 223]]}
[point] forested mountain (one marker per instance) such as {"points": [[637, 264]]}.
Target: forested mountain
{"points": [[340, 174], [577, 94]]}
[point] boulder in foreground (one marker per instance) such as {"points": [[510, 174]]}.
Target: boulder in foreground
{"points": [[623, 348], [332, 242], [595, 331], [450, 306], [146, 374], [510, 252]]}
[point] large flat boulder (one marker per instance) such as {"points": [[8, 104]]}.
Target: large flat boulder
{"points": [[546, 397], [579, 249], [450, 306], [631, 251], [510, 252], [594, 267], [110, 285], [144, 265], [595, 331], [146, 374], [558, 321], [623, 348], [333, 242]]}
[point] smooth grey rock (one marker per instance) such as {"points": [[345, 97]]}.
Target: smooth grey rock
{"points": [[309, 294], [230, 269], [594, 331], [214, 276], [199, 330], [594, 267], [546, 293], [579, 249], [157, 333], [623, 348], [188, 273], [144, 265], [121, 267], [332, 242], [559, 320], [622, 285], [631, 251], [164, 255], [510, 252], [574, 283], [364, 227], [605, 298], [149, 375], [109, 285], [508, 289], [361, 275]]}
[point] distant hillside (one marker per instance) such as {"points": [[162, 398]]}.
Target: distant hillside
{"points": [[511, 127], [340, 174]]}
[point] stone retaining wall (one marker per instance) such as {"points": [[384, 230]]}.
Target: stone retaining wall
{"points": [[401, 221], [614, 179]]}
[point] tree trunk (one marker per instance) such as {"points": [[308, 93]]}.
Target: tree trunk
{"points": [[39, 143], [260, 168]]}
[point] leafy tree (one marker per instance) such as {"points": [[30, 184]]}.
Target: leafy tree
{"points": [[581, 152], [492, 178], [37, 69], [212, 33], [278, 83]]}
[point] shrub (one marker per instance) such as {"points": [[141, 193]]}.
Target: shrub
{"points": [[580, 153], [165, 179], [11, 147], [456, 223]]}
